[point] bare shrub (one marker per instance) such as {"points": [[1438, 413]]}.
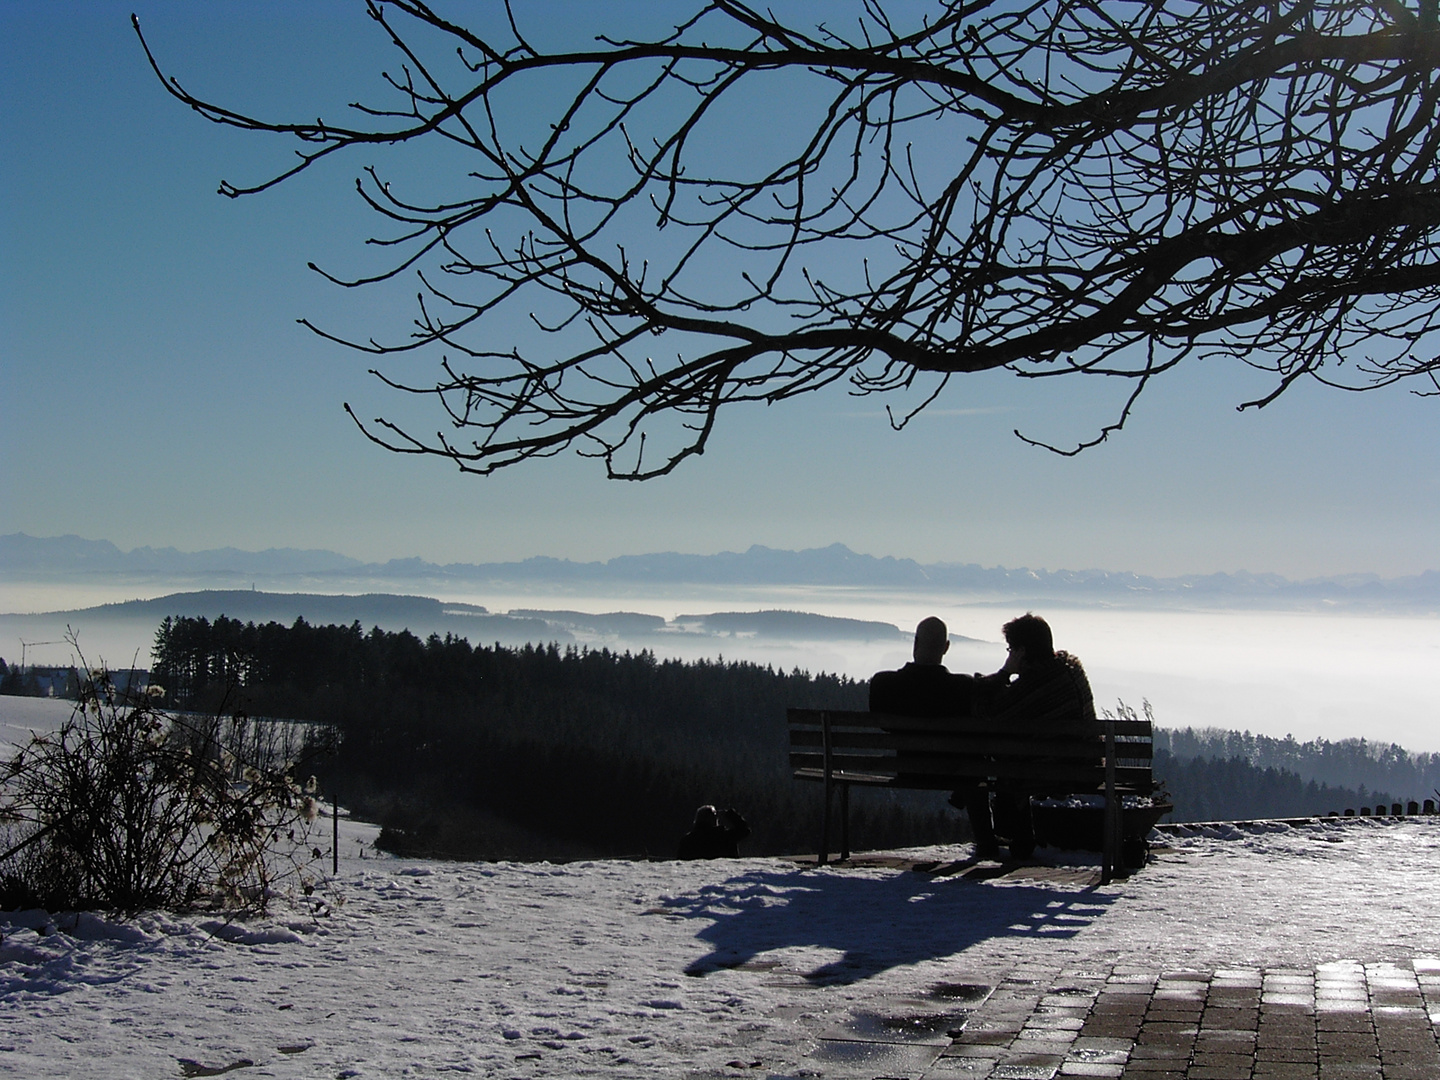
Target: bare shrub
{"points": [[128, 807]]}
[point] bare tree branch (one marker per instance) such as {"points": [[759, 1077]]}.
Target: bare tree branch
{"points": [[1059, 187]]}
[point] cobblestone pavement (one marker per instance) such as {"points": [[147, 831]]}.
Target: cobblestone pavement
{"points": [[1338, 1021]]}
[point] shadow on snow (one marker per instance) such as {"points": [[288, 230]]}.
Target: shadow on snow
{"points": [[876, 922]]}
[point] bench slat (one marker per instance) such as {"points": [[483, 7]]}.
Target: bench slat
{"points": [[950, 769], [950, 742], [1127, 782], [840, 720]]}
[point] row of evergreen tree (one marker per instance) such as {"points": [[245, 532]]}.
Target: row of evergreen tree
{"points": [[1356, 763], [488, 751]]}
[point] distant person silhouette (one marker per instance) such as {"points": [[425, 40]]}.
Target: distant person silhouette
{"points": [[715, 834]]}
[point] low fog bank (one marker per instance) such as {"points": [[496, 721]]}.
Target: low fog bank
{"points": [[1332, 674]]}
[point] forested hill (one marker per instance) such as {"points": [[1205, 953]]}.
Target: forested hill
{"points": [[532, 751], [1352, 763]]}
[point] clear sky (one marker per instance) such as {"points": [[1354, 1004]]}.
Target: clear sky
{"points": [[156, 389]]}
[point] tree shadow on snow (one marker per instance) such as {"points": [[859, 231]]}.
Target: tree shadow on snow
{"points": [[876, 922]]}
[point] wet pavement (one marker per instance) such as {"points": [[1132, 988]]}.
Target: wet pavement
{"points": [[1338, 1021]]}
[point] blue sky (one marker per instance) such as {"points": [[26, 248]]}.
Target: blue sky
{"points": [[156, 389]]}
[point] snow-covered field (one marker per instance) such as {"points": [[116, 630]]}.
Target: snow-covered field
{"points": [[663, 968]]}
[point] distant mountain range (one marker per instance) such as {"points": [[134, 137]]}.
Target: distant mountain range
{"points": [[72, 558]]}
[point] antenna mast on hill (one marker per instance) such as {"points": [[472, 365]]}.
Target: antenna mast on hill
{"points": [[30, 644]]}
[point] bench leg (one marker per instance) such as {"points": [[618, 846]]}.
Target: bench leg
{"points": [[1110, 861], [824, 855], [844, 821]]}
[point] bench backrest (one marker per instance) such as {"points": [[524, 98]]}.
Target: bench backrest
{"points": [[942, 752]]}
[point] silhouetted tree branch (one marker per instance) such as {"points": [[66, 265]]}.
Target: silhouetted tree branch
{"points": [[1059, 187]]}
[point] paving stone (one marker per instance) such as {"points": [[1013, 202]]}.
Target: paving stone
{"points": [[1167, 1033], [1284, 1071], [1286, 1003], [1286, 1054], [1040, 1046], [1399, 1048], [1023, 1072], [1098, 1042], [1152, 1066], [1056, 1022], [1229, 1048], [961, 1069], [1097, 1056], [1111, 1031], [1285, 1045], [1052, 1060], [986, 1038], [970, 1050], [1346, 1046], [1152, 1051], [845, 1058], [1429, 1060], [1288, 1012], [1224, 1062], [1343, 1022], [1356, 1062], [1090, 1068], [988, 1021]]}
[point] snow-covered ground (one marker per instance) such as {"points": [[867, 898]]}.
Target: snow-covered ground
{"points": [[22, 717], [664, 968]]}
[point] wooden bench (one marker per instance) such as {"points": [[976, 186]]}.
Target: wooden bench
{"points": [[1110, 758]]}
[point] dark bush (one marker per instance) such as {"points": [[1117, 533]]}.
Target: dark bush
{"points": [[128, 807]]}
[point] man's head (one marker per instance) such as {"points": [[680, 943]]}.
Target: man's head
{"points": [[1030, 636], [932, 640]]}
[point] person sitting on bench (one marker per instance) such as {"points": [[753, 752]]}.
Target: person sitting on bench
{"points": [[923, 687], [926, 688], [1037, 686]]}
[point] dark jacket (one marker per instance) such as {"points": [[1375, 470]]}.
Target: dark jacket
{"points": [[921, 690], [1055, 693]]}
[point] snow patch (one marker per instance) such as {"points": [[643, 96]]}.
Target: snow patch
{"points": [[240, 934]]}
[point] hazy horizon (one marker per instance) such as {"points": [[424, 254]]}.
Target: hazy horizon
{"points": [[1311, 674]]}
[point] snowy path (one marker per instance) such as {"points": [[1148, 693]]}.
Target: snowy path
{"points": [[635, 969]]}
